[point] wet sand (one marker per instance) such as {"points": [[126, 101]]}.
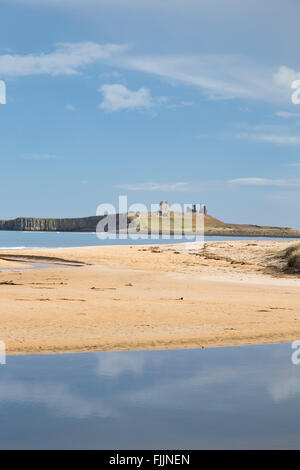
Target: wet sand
{"points": [[144, 297]]}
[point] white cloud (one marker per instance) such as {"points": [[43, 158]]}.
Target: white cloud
{"points": [[155, 187], [70, 107], [199, 186], [187, 186], [218, 76], [271, 138], [285, 76], [261, 182], [294, 164], [287, 114], [67, 59], [117, 97]]}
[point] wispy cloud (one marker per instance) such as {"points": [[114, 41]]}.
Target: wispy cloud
{"points": [[70, 107], [270, 138], [255, 181], [155, 187], [287, 114], [38, 156], [186, 186], [66, 59], [117, 97], [218, 77], [208, 185], [285, 76]]}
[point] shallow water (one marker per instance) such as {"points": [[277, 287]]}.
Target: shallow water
{"points": [[234, 397], [34, 266], [23, 240]]}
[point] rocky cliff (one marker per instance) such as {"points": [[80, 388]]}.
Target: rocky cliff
{"points": [[31, 224]]}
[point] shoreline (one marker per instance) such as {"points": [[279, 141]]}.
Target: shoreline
{"points": [[147, 297], [215, 233], [243, 345]]}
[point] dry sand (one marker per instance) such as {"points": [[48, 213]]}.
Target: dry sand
{"points": [[144, 297]]}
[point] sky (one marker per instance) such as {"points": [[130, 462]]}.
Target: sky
{"points": [[181, 100]]}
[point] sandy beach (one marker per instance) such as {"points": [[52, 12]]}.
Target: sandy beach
{"points": [[147, 297]]}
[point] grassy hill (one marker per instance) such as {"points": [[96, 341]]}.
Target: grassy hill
{"points": [[216, 227], [212, 226]]}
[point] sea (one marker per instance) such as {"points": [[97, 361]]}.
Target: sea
{"points": [[33, 240]]}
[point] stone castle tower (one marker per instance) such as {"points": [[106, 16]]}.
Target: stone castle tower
{"points": [[198, 208], [164, 208]]}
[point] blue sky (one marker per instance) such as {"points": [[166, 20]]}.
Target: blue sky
{"points": [[184, 100]]}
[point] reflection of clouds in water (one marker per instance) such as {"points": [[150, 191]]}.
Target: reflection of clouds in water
{"points": [[57, 397], [285, 388], [191, 381], [204, 381], [114, 364], [169, 392]]}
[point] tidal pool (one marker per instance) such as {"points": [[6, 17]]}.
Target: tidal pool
{"points": [[219, 398]]}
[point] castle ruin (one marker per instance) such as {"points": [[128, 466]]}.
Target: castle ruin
{"points": [[198, 209], [164, 208]]}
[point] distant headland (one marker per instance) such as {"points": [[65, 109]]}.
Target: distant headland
{"points": [[140, 221]]}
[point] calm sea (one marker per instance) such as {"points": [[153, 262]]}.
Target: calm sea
{"points": [[22, 240]]}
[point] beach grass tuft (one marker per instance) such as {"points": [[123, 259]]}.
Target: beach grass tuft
{"points": [[292, 255]]}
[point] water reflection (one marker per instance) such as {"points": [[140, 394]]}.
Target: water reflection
{"points": [[239, 397], [58, 397], [118, 363]]}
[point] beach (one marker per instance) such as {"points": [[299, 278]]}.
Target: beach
{"points": [[113, 298]]}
